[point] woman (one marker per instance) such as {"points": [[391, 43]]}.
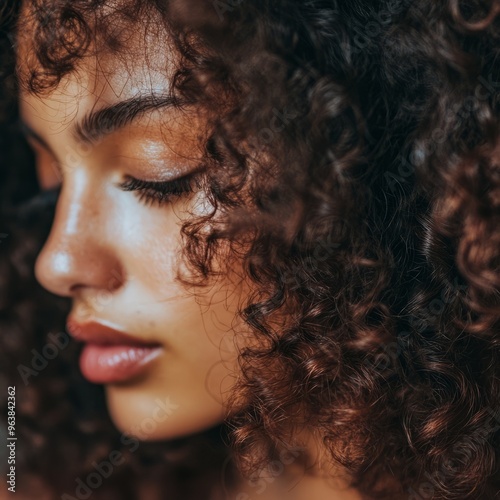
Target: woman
{"points": [[276, 228]]}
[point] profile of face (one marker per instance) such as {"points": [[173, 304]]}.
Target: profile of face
{"points": [[127, 161]]}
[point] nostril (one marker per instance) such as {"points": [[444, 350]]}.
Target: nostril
{"points": [[109, 280], [116, 279], [75, 288]]}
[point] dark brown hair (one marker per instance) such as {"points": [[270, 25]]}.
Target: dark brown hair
{"points": [[354, 153]]}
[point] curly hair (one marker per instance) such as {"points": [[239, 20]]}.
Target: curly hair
{"points": [[353, 165]]}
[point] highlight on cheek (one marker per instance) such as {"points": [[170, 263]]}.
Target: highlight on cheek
{"points": [[322, 320]]}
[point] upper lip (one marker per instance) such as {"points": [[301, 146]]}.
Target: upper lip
{"points": [[95, 332]]}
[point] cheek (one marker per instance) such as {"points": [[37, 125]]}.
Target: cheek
{"points": [[195, 374], [200, 361], [155, 249], [150, 242], [161, 254]]}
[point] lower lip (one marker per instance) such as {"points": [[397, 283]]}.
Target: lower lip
{"points": [[105, 364]]}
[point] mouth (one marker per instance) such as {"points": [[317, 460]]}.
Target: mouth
{"points": [[110, 355]]}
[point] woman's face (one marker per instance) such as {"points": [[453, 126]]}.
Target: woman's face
{"points": [[115, 252]]}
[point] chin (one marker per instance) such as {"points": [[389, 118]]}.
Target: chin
{"points": [[155, 417]]}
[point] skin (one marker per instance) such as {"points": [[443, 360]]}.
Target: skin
{"points": [[117, 257]]}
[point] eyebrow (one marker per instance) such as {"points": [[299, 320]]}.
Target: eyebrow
{"points": [[104, 121]]}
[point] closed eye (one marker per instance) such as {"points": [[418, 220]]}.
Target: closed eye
{"points": [[161, 193]]}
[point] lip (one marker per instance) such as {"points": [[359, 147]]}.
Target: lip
{"points": [[95, 332], [111, 355]]}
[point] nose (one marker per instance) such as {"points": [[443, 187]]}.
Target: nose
{"points": [[79, 252]]}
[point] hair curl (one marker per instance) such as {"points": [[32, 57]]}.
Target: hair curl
{"points": [[369, 219]]}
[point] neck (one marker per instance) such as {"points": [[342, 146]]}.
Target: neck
{"points": [[294, 478]]}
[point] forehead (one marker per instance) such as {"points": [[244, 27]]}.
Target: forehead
{"points": [[143, 64]]}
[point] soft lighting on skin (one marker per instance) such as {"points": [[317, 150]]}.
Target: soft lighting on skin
{"points": [[61, 263], [117, 257], [75, 209], [103, 235]]}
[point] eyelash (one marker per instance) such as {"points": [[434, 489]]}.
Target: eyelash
{"points": [[160, 193]]}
